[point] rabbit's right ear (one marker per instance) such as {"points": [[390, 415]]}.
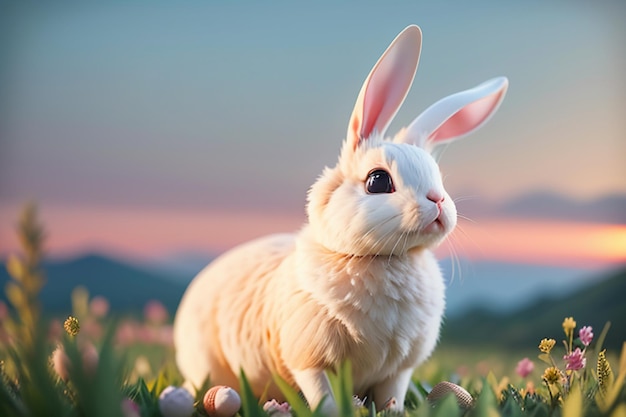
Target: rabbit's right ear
{"points": [[455, 116], [386, 87]]}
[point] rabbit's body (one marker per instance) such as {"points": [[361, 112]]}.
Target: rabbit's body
{"points": [[359, 281], [284, 302]]}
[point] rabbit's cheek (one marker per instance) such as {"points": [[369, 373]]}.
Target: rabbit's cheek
{"points": [[429, 213]]}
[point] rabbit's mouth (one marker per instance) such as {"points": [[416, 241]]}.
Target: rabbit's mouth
{"points": [[435, 227], [428, 230], [433, 222]]}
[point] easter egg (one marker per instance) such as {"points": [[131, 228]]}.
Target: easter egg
{"points": [[442, 389], [221, 401], [175, 402]]}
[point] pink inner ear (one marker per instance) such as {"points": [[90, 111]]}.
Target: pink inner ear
{"points": [[382, 99], [371, 111], [467, 119], [386, 90]]}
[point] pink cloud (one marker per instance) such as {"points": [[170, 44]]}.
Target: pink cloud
{"points": [[541, 241], [150, 233]]}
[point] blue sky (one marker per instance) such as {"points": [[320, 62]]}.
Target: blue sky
{"points": [[211, 106]]}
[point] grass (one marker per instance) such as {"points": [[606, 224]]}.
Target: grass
{"points": [[90, 369]]}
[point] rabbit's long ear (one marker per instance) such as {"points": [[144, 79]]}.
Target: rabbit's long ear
{"points": [[457, 115], [386, 87]]}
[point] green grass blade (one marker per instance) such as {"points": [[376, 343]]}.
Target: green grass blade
{"points": [[9, 404], [601, 337], [249, 403], [487, 403], [298, 405], [342, 386], [448, 407]]}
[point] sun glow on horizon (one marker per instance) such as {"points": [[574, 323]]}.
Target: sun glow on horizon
{"points": [[540, 241], [149, 234]]}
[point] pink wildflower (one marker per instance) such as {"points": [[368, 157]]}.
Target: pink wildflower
{"points": [[166, 336], [586, 335], [276, 409], [99, 306], [91, 327], [155, 312], [90, 357], [524, 367], [575, 360], [126, 333], [130, 408], [63, 366], [146, 334], [55, 330], [61, 363]]}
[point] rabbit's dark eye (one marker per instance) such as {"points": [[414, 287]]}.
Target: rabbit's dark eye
{"points": [[378, 182]]}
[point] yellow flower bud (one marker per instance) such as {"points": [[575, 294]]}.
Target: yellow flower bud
{"points": [[71, 326], [568, 326], [551, 375], [546, 345]]}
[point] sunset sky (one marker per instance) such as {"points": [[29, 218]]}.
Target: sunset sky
{"points": [[156, 128]]}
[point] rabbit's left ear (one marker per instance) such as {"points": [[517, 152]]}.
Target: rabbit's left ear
{"points": [[386, 87], [455, 116]]}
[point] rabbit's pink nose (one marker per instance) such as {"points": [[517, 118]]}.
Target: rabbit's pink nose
{"points": [[435, 197]]}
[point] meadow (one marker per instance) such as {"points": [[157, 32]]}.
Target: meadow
{"points": [[97, 363]]}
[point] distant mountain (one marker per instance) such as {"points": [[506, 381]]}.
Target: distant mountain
{"points": [[126, 287], [610, 209], [592, 305], [517, 301], [502, 286], [506, 287], [181, 265]]}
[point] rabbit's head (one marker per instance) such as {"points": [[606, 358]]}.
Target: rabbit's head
{"points": [[385, 196]]}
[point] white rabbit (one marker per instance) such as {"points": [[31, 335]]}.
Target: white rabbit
{"points": [[359, 281]]}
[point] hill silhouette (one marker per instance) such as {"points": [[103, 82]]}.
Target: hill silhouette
{"points": [[592, 306], [127, 288]]}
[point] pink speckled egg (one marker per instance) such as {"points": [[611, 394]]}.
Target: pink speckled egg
{"points": [[442, 389], [175, 402], [221, 401]]}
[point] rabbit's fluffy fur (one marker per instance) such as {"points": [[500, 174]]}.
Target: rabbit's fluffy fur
{"points": [[358, 282]]}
